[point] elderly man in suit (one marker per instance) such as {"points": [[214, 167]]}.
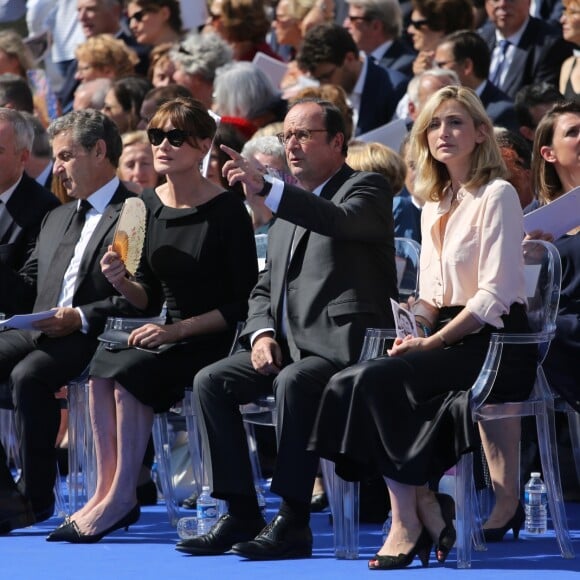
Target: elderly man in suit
{"points": [[330, 55], [329, 275], [524, 49], [376, 26], [63, 272], [23, 202]]}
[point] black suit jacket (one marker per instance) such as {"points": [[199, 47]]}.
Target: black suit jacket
{"points": [[499, 107], [93, 293], [341, 273], [538, 56], [20, 223], [383, 89], [400, 57]]}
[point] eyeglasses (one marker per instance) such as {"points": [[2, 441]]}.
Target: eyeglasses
{"points": [[418, 24], [138, 16], [301, 135], [359, 18], [325, 77], [176, 137]]}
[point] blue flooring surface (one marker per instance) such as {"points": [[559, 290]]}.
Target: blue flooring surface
{"points": [[146, 551]]}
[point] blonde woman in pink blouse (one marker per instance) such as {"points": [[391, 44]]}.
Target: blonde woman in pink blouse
{"points": [[407, 413]]}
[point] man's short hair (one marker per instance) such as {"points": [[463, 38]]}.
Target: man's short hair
{"points": [[532, 95], [23, 131], [323, 43], [388, 12], [88, 126], [41, 142], [468, 44]]}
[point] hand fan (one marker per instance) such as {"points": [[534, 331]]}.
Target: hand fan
{"points": [[130, 233]]}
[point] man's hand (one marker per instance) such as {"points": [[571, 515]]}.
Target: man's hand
{"points": [[266, 356], [242, 170], [64, 322]]}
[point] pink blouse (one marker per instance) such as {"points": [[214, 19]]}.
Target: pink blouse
{"points": [[479, 264]]}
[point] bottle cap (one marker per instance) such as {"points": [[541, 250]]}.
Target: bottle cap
{"points": [[535, 474]]}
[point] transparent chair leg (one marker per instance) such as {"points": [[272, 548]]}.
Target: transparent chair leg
{"points": [[194, 442], [574, 425], [551, 471], [77, 493], [163, 457], [344, 504], [254, 457]]}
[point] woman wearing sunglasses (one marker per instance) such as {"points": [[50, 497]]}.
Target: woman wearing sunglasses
{"points": [[200, 259], [430, 21], [153, 22]]}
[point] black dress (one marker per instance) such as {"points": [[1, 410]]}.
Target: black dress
{"points": [[195, 260], [409, 415], [561, 365]]}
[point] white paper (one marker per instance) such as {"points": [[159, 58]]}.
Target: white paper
{"points": [[404, 320], [391, 134], [557, 217], [273, 68], [25, 321]]}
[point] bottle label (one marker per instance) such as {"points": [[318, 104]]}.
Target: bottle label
{"points": [[206, 512], [536, 498]]}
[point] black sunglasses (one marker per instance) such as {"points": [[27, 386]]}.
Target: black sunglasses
{"points": [[176, 137], [138, 16], [418, 24]]}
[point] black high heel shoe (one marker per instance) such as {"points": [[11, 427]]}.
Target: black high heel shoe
{"points": [[71, 533], [422, 549], [515, 524], [448, 534]]}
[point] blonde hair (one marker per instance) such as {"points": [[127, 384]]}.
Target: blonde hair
{"points": [[378, 158], [104, 51], [134, 138], [12, 44], [486, 160]]}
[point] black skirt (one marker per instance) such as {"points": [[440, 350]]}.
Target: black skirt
{"points": [[409, 416]]}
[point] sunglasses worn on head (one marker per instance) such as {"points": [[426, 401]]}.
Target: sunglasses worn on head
{"points": [[176, 137]]}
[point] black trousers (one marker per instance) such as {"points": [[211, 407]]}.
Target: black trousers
{"points": [[35, 369], [220, 388]]}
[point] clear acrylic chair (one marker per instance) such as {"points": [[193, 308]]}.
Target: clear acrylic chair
{"points": [[543, 276]]}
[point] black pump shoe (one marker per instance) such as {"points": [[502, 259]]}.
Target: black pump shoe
{"points": [[69, 532], [448, 534], [422, 549], [515, 524]]}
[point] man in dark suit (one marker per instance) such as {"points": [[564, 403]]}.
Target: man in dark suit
{"points": [[466, 53], [23, 202], [62, 272], [376, 26], [330, 55], [524, 49], [329, 275]]}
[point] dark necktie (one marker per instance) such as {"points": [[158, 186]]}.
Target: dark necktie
{"points": [[503, 46], [50, 291]]}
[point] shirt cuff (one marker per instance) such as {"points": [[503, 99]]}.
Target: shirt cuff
{"points": [[273, 199], [84, 323], [258, 332]]}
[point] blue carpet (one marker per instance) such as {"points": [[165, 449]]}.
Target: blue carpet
{"points": [[146, 551]]}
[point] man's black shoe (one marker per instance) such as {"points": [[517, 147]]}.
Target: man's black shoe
{"points": [[17, 512], [227, 531], [281, 539]]}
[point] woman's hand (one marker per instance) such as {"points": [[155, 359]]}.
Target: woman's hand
{"points": [[113, 268], [424, 61], [412, 343], [154, 335]]}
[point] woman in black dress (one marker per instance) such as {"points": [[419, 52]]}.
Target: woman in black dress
{"points": [[556, 170], [407, 414], [199, 258]]}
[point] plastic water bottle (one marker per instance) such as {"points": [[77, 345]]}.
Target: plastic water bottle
{"points": [[207, 511], [536, 504], [261, 501], [187, 527]]}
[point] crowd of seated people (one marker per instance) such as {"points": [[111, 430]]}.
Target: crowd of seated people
{"points": [[375, 63]]}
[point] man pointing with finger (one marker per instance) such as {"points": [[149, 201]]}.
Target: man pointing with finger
{"points": [[329, 275]]}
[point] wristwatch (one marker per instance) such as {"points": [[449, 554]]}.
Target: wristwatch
{"points": [[268, 181]]}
